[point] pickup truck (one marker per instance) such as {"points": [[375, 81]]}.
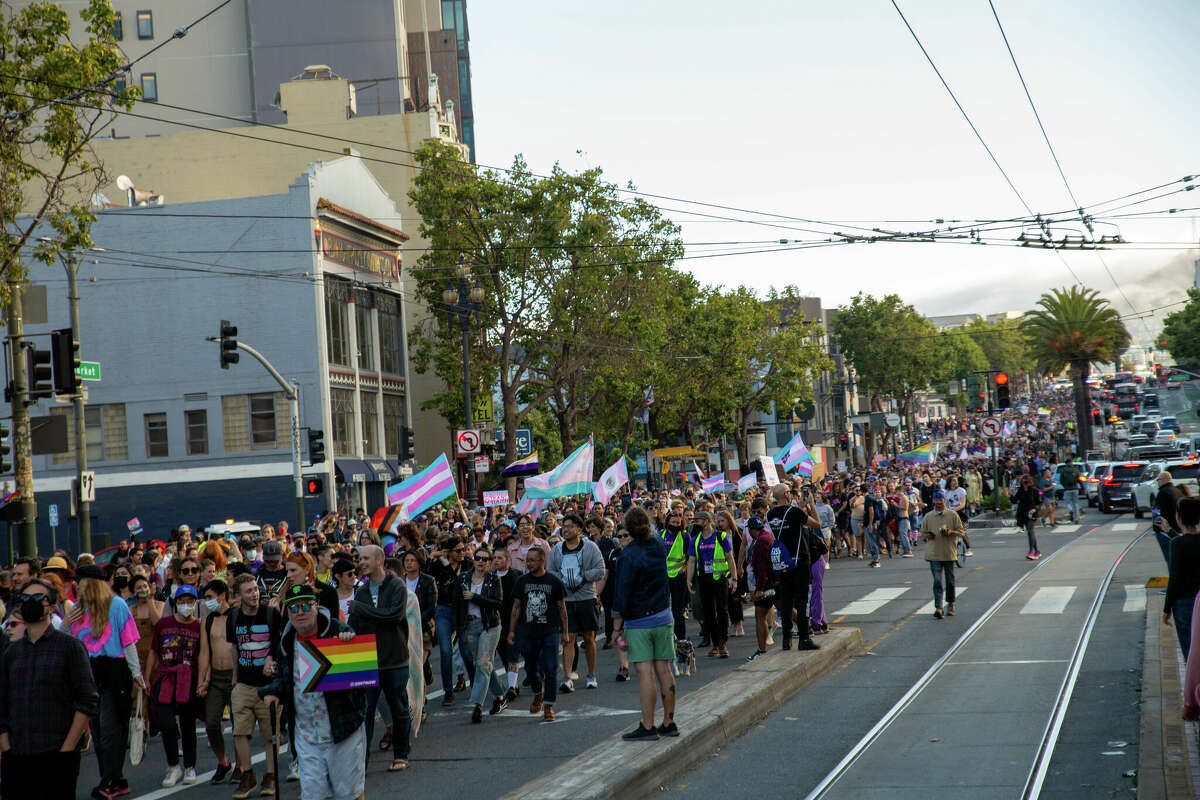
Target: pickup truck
{"points": [[1145, 491]]}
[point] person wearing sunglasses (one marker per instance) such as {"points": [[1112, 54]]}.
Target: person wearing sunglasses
{"points": [[326, 728], [446, 566], [477, 621]]}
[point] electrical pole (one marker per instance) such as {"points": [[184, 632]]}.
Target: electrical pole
{"points": [[21, 437], [84, 508]]}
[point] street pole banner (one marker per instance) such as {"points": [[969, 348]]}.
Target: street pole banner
{"points": [[497, 498]]}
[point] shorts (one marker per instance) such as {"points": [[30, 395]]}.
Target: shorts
{"points": [[333, 769], [245, 708], [220, 685], [651, 644], [765, 604], [583, 616]]}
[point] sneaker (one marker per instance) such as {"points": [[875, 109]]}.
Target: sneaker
{"points": [[477, 714], [189, 776], [950, 609], [119, 787], [808, 644], [716, 651], [907, 555], [668, 729], [641, 733], [592, 683], [567, 687], [1037, 554], [787, 643], [724, 651], [622, 675], [448, 699], [246, 786], [968, 554], [1030, 556], [235, 775], [875, 565], [498, 705], [293, 772], [461, 684], [756, 654], [548, 713], [937, 613], [860, 558], [574, 675], [221, 773], [770, 640], [268, 785], [173, 775], [536, 705], [101, 790]]}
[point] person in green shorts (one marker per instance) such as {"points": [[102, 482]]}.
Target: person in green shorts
{"points": [[642, 612]]}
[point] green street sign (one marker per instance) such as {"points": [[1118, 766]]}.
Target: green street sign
{"points": [[88, 370]]}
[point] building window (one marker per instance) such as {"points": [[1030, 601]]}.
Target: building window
{"points": [[366, 338], [145, 23], [464, 82], [393, 419], [118, 28], [119, 86], [235, 422], [338, 332], [92, 416], [150, 86], [156, 435], [370, 423], [390, 360], [197, 431], [262, 421], [116, 437], [341, 405]]}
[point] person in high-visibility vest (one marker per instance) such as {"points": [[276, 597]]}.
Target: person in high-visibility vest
{"points": [[710, 566], [678, 544]]}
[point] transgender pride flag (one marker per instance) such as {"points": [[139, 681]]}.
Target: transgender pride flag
{"points": [[572, 476], [794, 455], [714, 484], [529, 505], [429, 486]]}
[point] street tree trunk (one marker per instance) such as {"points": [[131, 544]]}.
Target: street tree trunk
{"points": [[1083, 406]]}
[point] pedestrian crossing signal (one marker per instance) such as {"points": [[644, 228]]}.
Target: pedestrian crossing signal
{"points": [[314, 486]]}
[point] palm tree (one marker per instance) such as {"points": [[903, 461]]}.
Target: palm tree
{"points": [[1070, 329]]}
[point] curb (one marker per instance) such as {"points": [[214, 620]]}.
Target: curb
{"points": [[1164, 772], [708, 718]]}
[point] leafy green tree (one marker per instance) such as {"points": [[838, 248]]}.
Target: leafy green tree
{"points": [[959, 356], [46, 160], [1002, 344], [1181, 332], [1070, 329]]}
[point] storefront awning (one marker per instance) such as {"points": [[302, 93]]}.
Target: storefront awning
{"points": [[353, 470], [385, 471], [679, 452]]}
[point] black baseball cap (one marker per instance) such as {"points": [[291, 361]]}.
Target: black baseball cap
{"points": [[297, 593]]}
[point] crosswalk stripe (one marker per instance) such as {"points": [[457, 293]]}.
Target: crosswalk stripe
{"points": [[1127, 526], [873, 601], [928, 607], [1135, 597], [1067, 528], [1049, 600], [1008, 531]]}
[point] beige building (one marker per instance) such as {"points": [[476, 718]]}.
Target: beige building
{"points": [[246, 162]]}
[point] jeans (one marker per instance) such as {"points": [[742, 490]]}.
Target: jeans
{"points": [[541, 664], [816, 602], [110, 726], [902, 531], [1164, 542], [1071, 501], [791, 592], [482, 644], [444, 618], [940, 569], [1182, 614], [171, 732], [714, 595], [393, 683], [679, 603], [872, 535]]}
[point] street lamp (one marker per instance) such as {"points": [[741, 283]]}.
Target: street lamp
{"points": [[462, 301]]}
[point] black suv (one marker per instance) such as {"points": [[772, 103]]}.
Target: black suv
{"points": [[1117, 488]]}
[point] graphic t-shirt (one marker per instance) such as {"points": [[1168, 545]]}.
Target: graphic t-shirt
{"points": [[572, 568], [312, 714], [178, 647], [253, 636], [111, 642], [539, 598]]}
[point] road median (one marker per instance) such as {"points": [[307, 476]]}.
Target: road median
{"points": [[708, 718]]}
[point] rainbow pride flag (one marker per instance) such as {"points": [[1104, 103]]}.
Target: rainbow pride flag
{"points": [[921, 455], [330, 665]]}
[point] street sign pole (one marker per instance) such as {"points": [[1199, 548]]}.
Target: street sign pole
{"points": [[83, 505]]}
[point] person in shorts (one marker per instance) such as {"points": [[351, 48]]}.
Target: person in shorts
{"points": [[253, 631], [579, 564], [642, 611]]}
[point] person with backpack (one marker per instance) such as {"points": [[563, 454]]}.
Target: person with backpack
{"points": [[761, 579], [791, 564], [1070, 483], [875, 523]]}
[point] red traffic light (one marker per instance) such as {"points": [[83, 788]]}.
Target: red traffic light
{"points": [[1001, 378]]}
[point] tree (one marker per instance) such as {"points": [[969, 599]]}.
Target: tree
{"points": [[47, 124], [1002, 344], [1181, 332], [958, 356], [1070, 329]]}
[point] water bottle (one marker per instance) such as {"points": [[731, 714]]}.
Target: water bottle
{"points": [[768, 594]]}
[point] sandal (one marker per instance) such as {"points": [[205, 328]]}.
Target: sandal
{"points": [[398, 765], [385, 743]]}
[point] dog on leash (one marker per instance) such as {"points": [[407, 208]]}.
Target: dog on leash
{"points": [[685, 658]]}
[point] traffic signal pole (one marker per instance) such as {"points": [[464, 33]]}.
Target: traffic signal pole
{"points": [[21, 435], [83, 507]]}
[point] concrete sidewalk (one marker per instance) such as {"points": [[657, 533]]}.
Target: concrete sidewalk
{"points": [[1167, 758], [707, 719]]}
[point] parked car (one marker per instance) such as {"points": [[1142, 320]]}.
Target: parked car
{"points": [[1184, 472], [1091, 483], [1117, 488], [1169, 423]]}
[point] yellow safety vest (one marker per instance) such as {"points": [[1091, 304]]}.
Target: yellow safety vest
{"points": [[720, 564], [676, 558]]}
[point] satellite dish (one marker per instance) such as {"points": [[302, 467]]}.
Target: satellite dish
{"points": [[123, 183]]}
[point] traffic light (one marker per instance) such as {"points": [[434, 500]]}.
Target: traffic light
{"points": [[844, 442], [39, 373], [5, 465], [316, 446], [408, 450], [976, 396], [1002, 399], [228, 338], [314, 486], [64, 351]]}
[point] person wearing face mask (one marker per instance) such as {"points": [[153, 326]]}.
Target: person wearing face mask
{"points": [[215, 683], [679, 544], [173, 663], [120, 581]]}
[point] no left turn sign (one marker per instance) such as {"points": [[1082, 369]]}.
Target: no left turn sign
{"points": [[467, 442], [991, 427]]}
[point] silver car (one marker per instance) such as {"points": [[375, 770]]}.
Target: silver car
{"points": [[1092, 481]]}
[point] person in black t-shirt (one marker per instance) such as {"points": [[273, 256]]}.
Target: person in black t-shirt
{"points": [[538, 621], [253, 630], [272, 572], [787, 526]]}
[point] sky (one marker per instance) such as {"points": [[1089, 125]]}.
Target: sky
{"points": [[829, 111]]}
